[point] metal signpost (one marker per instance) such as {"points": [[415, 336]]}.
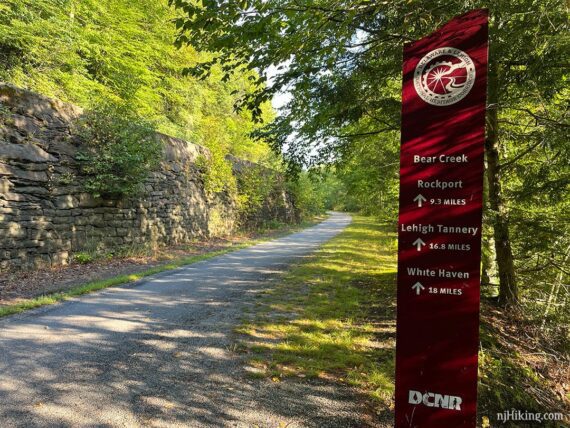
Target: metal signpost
{"points": [[439, 230]]}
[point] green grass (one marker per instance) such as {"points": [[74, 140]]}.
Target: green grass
{"points": [[333, 315], [90, 287]]}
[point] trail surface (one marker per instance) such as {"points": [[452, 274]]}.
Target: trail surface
{"points": [[160, 353]]}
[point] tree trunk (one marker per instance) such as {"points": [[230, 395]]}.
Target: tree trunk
{"points": [[555, 288], [508, 291], [488, 256]]}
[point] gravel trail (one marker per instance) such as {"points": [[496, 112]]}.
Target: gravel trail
{"points": [[160, 353]]}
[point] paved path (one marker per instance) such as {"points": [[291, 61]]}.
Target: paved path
{"points": [[159, 353]]}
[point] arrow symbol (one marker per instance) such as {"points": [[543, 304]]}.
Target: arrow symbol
{"points": [[419, 244], [420, 200], [418, 287]]}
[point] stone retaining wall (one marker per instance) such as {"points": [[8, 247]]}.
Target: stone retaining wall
{"points": [[45, 215]]}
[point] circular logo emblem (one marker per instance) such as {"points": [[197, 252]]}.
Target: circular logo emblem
{"points": [[444, 76]]}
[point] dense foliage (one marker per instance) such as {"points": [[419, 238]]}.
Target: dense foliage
{"points": [[121, 150], [340, 61], [256, 185], [121, 54], [91, 52]]}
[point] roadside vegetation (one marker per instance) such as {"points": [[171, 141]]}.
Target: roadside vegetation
{"points": [[333, 317], [121, 149], [117, 60], [50, 299], [340, 62]]}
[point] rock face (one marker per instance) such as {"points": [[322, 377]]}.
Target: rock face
{"points": [[45, 214]]}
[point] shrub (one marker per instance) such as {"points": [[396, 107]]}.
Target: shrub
{"points": [[83, 258], [255, 184], [217, 171], [121, 150], [309, 195]]}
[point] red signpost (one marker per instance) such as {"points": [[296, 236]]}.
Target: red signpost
{"points": [[439, 231]]}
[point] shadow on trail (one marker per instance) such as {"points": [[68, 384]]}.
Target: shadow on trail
{"points": [[334, 317], [160, 353]]}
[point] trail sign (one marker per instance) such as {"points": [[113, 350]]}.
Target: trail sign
{"points": [[439, 230]]}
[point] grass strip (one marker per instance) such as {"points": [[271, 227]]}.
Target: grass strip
{"points": [[90, 287], [331, 316]]}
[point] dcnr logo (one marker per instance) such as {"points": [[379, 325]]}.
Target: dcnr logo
{"points": [[432, 399]]}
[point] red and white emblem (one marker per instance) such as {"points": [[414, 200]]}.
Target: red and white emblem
{"points": [[444, 76]]}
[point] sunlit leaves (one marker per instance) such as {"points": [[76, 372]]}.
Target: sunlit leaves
{"points": [[93, 51]]}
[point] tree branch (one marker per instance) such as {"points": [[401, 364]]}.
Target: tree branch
{"points": [[364, 134]]}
